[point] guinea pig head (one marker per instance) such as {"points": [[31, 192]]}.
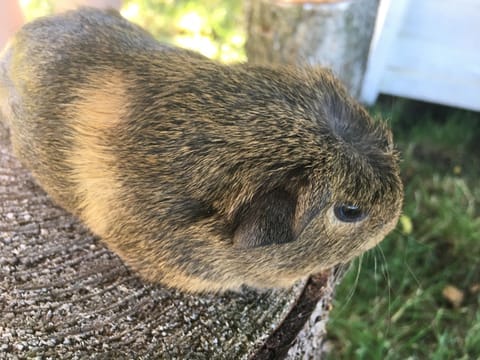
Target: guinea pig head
{"points": [[344, 196]]}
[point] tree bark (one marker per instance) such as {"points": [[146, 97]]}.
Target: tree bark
{"points": [[64, 295], [330, 33]]}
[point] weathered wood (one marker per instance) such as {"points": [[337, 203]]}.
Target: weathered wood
{"points": [[64, 295], [335, 34]]}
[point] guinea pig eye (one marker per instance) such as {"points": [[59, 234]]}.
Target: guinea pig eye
{"points": [[349, 213]]}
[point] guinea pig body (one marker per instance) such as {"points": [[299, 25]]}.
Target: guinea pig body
{"points": [[201, 176]]}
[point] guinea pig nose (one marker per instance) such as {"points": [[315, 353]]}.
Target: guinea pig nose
{"points": [[349, 213]]}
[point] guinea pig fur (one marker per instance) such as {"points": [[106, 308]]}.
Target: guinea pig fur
{"points": [[199, 175]]}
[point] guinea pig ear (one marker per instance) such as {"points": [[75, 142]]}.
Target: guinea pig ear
{"points": [[267, 220]]}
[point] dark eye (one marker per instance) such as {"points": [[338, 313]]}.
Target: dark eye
{"points": [[349, 213]]}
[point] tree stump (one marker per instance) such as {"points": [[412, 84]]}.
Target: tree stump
{"points": [[331, 33], [64, 295]]}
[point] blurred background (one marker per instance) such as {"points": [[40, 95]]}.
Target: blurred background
{"points": [[213, 28], [417, 295]]}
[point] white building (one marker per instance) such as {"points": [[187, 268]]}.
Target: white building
{"points": [[427, 50]]}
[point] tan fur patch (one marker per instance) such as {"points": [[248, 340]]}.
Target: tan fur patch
{"points": [[102, 102], [99, 109]]}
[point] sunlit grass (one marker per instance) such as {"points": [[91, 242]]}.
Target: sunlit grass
{"points": [[35, 8], [213, 28]]}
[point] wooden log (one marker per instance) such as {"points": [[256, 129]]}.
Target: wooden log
{"points": [[64, 295], [331, 33]]}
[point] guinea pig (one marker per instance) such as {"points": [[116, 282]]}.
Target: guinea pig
{"points": [[199, 175]]}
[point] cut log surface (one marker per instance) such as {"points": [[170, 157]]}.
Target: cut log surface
{"points": [[64, 295]]}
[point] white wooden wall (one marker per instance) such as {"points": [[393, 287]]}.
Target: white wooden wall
{"points": [[427, 50]]}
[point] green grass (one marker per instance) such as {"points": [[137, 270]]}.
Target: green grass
{"points": [[213, 28], [390, 305]]}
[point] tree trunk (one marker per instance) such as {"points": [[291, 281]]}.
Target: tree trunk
{"points": [[331, 33], [64, 295]]}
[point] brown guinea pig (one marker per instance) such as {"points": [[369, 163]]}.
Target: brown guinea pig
{"points": [[199, 175]]}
